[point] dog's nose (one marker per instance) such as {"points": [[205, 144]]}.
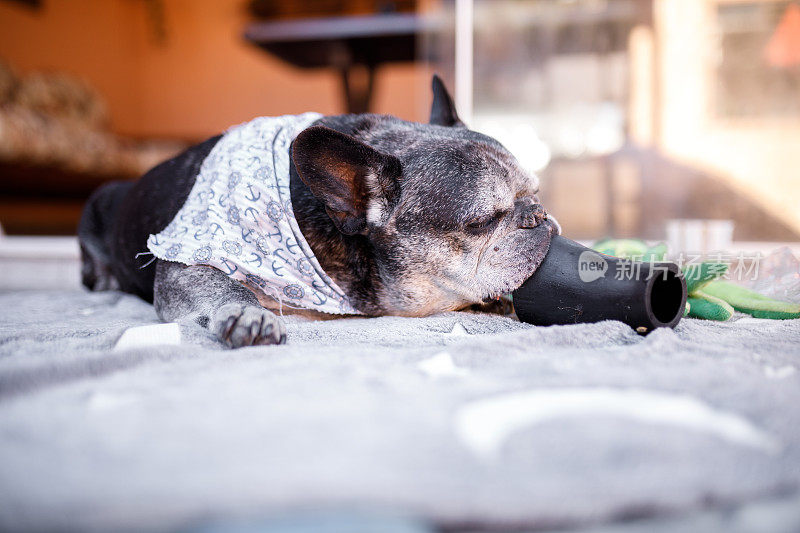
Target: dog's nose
{"points": [[533, 216]]}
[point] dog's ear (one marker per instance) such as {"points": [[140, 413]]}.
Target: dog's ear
{"points": [[443, 110], [357, 183]]}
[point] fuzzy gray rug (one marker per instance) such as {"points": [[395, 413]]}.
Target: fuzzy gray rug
{"points": [[458, 420]]}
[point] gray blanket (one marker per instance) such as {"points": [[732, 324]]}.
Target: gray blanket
{"points": [[456, 420]]}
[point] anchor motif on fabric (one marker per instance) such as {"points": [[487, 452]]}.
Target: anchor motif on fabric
{"points": [[246, 235], [255, 259], [212, 211], [179, 232], [239, 218], [216, 228], [292, 245], [252, 212], [320, 298], [230, 268], [245, 163], [277, 234], [324, 289], [279, 254], [252, 196], [276, 266]]}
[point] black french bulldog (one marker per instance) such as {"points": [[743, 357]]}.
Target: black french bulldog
{"points": [[408, 219]]}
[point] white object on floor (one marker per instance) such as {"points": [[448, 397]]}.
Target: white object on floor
{"points": [[484, 425], [458, 330], [441, 365], [152, 335]]}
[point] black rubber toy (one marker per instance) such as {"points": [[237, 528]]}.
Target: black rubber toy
{"points": [[576, 284]]}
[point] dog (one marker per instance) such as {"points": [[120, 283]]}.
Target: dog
{"points": [[350, 214]]}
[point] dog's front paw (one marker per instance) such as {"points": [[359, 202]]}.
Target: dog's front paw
{"points": [[500, 306], [247, 325]]}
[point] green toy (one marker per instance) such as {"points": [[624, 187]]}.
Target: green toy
{"points": [[710, 298], [702, 305], [752, 303], [698, 275]]}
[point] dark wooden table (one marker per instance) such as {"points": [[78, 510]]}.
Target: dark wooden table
{"points": [[353, 45]]}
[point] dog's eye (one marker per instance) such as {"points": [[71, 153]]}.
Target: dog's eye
{"points": [[485, 223]]}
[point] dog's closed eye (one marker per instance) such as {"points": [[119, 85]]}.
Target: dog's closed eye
{"points": [[485, 223]]}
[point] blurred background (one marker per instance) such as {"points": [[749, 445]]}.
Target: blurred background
{"points": [[657, 119]]}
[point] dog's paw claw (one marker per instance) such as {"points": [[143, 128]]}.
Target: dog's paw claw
{"points": [[240, 325]]}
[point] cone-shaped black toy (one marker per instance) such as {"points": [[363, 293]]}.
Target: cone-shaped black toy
{"points": [[576, 284]]}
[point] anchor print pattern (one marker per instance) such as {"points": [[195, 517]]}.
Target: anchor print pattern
{"points": [[239, 219]]}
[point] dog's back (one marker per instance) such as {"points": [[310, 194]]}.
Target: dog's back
{"points": [[119, 217]]}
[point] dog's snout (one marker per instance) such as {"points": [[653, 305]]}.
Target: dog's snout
{"points": [[532, 215]]}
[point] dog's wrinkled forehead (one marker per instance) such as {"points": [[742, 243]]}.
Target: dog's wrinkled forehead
{"points": [[453, 174]]}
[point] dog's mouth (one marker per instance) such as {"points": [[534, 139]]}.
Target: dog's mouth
{"points": [[490, 298], [532, 258]]}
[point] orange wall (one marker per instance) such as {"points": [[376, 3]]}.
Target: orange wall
{"points": [[203, 79], [89, 38]]}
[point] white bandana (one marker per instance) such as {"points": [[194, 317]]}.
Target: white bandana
{"points": [[239, 219]]}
